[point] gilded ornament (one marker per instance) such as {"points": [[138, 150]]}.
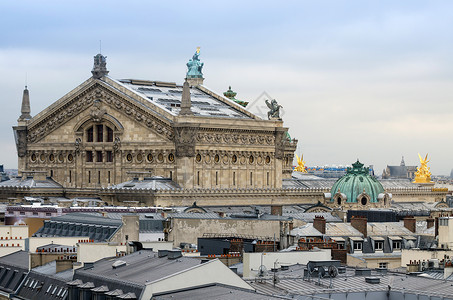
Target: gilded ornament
{"points": [[423, 175]]}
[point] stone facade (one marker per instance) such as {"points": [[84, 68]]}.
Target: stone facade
{"points": [[103, 133]]}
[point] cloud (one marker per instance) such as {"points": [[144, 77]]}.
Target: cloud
{"points": [[357, 79]]}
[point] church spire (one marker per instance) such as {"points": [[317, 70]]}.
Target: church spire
{"points": [[100, 66], [185, 101], [25, 109]]}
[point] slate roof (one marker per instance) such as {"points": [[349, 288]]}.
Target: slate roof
{"points": [[98, 228], [387, 229], [214, 291], [50, 269], [292, 285], [39, 286], [31, 183], [332, 230], [308, 183], [309, 217], [300, 180], [13, 270], [169, 98], [397, 183], [148, 183], [141, 267], [17, 259]]}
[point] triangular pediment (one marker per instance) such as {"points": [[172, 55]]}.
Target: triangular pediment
{"points": [[94, 96]]}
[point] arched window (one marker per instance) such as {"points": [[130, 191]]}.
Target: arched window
{"points": [[99, 133]]}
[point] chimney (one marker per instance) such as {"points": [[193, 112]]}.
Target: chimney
{"points": [[360, 223], [436, 228], [276, 210], [319, 223], [429, 223], [409, 223], [185, 101]]}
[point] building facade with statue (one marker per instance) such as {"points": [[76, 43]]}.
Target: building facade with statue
{"points": [[151, 143], [107, 131]]}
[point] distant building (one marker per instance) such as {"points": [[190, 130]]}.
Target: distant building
{"points": [[399, 172]]}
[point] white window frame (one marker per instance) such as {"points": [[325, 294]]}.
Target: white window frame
{"points": [[396, 245], [383, 265], [381, 243], [358, 246]]}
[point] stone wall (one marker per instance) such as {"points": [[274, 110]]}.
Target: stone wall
{"points": [[189, 230]]}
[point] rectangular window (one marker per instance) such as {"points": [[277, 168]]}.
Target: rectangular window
{"points": [[35, 213], [22, 213], [396, 245], [90, 135], [171, 175], [99, 156], [340, 245], [99, 177], [89, 156], [357, 246], [267, 178], [89, 176], [234, 178], [99, 133], [198, 178], [70, 176], [383, 265], [109, 135], [216, 178], [251, 178], [108, 176], [48, 214], [109, 155], [51, 173], [378, 245]]}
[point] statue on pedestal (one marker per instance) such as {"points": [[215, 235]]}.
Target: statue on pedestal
{"points": [[300, 165], [423, 175], [274, 112], [195, 66]]}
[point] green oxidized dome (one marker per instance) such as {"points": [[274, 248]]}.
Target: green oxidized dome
{"points": [[357, 181]]}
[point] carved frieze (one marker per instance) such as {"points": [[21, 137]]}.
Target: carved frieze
{"points": [[97, 111], [185, 140], [234, 138], [94, 97]]}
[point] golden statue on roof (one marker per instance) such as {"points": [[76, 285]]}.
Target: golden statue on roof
{"points": [[300, 164], [423, 175]]}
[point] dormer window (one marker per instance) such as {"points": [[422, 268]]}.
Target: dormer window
{"points": [[379, 245], [396, 245], [357, 246]]}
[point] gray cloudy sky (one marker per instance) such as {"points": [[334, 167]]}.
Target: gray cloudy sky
{"points": [[357, 79]]}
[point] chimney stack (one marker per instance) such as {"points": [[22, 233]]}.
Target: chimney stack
{"points": [[409, 223], [429, 223], [276, 210], [360, 223], [319, 223]]}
